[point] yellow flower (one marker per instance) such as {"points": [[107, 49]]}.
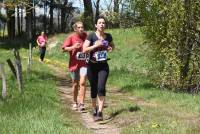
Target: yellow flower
{"points": [[155, 125]]}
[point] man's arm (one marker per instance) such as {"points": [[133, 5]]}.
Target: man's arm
{"points": [[68, 46]]}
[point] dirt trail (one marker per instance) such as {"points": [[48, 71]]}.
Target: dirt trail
{"points": [[64, 89], [110, 126]]}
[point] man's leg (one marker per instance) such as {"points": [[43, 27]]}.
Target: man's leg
{"points": [[74, 88], [83, 73]]}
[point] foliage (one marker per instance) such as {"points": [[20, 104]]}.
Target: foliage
{"points": [[111, 17], [172, 32], [88, 17], [129, 17], [15, 10], [2, 18], [177, 113], [88, 23], [161, 111]]}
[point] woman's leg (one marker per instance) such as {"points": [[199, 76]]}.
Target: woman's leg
{"points": [[102, 79], [42, 53], [93, 79]]}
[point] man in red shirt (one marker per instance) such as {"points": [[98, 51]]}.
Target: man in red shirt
{"points": [[77, 63]]}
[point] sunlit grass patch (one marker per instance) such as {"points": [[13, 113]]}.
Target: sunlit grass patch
{"points": [[121, 108], [38, 109], [139, 106], [156, 120]]}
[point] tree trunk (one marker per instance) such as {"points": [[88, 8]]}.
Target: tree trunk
{"points": [[11, 23], [116, 10], [4, 29], [58, 20], [18, 22], [116, 6], [51, 17], [189, 39], [97, 9], [63, 16], [34, 21], [44, 19], [29, 26], [22, 18], [88, 14]]}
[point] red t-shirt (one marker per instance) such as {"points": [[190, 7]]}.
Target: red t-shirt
{"points": [[42, 40], [74, 64]]}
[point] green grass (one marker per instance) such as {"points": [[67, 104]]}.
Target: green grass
{"points": [[38, 109], [129, 67], [152, 110], [130, 72]]}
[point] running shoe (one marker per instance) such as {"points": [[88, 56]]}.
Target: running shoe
{"points": [[94, 113], [75, 106], [98, 117], [81, 107]]}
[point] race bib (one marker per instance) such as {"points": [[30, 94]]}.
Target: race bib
{"points": [[100, 55], [80, 56]]}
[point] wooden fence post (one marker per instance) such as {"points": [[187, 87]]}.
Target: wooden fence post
{"points": [[10, 64], [28, 68], [18, 69], [3, 80], [30, 53], [29, 61]]}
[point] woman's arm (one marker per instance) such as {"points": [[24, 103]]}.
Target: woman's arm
{"points": [[87, 48], [38, 42], [111, 47]]}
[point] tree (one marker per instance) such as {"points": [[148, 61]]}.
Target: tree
{"points": [[10, 11], [171, 28], [97, 9], [88, 14], [51, 16], [116, 6], [116, 11], [22, 17], [45, 16], [63, 16], [108, 5], [3, 21], [29, 22], [18, 21]]}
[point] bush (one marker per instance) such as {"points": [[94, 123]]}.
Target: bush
{"points": [[172, 31]]}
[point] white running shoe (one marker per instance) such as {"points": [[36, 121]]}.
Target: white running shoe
{"points": [[75, 106]]}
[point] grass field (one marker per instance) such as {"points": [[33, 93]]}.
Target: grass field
{"points": [[152, 110], [167, 112], [38, 109]]}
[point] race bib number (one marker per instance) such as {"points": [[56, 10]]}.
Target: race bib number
{"points": [[81, 56], [101, 55]]}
